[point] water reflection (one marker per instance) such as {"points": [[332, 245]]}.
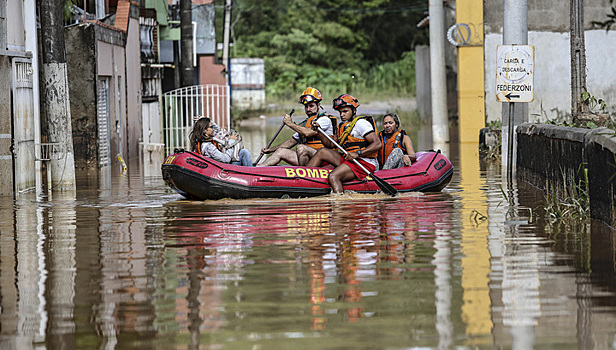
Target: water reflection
{"points": [[346, 245]]}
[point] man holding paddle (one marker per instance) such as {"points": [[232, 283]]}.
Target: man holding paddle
{"points": [[359, 143], [306, 139]]}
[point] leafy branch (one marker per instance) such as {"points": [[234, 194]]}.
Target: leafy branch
{"points": [[611, 20]]}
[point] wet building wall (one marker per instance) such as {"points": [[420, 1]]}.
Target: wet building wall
{"points": [[81, 62], [133, 86], [554, 158], [96, 70], [6, 155]]}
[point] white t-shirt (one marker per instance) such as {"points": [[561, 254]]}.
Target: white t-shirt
{"points": [[360, 130], [324, 122]]}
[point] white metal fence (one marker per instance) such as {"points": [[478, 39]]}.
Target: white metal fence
{"points": [[181, 105]]}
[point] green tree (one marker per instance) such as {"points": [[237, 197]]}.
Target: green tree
{"points": [[334, 44]]}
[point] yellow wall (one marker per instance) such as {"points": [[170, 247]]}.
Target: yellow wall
{"points": [[476, 308], [471, 91]]}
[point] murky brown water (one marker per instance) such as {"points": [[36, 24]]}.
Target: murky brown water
{"points": [[132, 265]]}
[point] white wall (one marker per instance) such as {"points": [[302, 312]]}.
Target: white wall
{"points": [[15, 36], [552, 95]]}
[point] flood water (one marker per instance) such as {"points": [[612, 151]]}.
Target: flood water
{"points": [[132, 265]]}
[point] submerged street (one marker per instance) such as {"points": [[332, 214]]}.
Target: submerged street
{"points": [[134, 265]]}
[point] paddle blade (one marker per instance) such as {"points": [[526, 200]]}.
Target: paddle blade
{"points": [[384, 186]]}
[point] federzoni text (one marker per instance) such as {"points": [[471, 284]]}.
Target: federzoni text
{"points": [[504, 87]]}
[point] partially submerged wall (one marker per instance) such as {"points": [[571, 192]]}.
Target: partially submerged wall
{"points": [[554, 157]]}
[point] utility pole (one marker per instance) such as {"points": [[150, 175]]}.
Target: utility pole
{"points": [[515, 32], [438, 78], [186, 43], [578, 58], [226, 40], [56, 96]]}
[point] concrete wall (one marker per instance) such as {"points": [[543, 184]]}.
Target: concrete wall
{"points": [[133, 89], [210, 72], [247, 83], [548, 25], [6, 155], [97, 52], [81, 62], [15, 34], [551, 156]]}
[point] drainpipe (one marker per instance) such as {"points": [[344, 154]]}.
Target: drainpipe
{"points": [[194, 39]]}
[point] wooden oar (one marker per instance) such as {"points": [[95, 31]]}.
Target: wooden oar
{"points": [[383, 185], [272, 140]]}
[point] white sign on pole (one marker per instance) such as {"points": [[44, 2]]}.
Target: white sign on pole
{"points": [[515, 67]]}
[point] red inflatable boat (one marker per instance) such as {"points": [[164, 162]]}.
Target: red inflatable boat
{"points": [[198, 177]]}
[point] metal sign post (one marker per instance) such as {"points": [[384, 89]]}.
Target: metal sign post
{"points": [[515, 68], [515, 73]]}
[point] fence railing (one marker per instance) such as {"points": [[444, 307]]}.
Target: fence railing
{"points": [[180, 106]]}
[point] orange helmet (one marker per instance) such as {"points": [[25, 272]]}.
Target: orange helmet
{"points": [[310, 95], [345, 101]]}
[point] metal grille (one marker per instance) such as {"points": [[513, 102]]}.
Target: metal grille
{"points": [[181, 105], [102, 110], [147, 26], [23, 74], [23, 125], [51, 150]]}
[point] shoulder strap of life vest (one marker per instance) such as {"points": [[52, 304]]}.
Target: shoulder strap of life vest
{"points": [[347, 127]]}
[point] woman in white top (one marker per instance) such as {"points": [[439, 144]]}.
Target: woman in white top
{"points": [[202, 141]]}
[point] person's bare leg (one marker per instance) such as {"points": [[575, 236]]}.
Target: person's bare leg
{"points": [[304, 153], [339, 175], [288, 155], [325, 155]]}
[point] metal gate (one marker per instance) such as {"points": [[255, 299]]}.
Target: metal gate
{"points": [[23, 125], [182, 105], [102, 112]]}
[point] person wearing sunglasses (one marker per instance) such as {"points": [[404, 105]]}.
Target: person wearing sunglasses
{"points": [[202, 141], [358, 137], [306, 139]]}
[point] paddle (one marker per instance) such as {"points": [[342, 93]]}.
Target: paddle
{"points": [[384, 186], [272, 140]]}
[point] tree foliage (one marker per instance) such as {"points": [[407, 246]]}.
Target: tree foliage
{"points": [[332, 44], [609, 22]]}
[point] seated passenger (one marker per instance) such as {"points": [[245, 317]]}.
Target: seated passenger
{"points": [[397, 148], [203, 142]]}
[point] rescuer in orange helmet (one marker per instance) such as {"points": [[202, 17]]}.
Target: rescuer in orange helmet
{"points": [[306, 139], [358, 137]]}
